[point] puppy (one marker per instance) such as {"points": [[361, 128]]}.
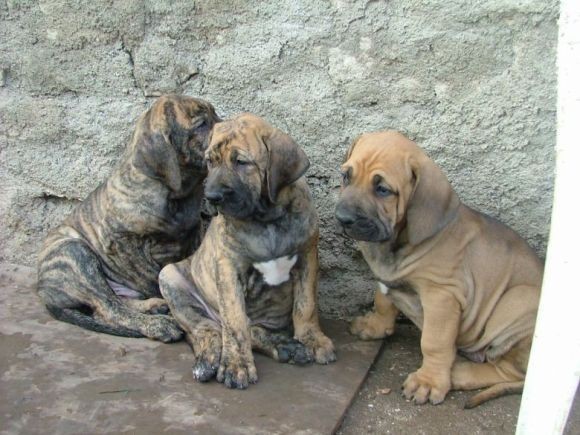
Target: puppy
{"points": [[468, 282], [254, 277], [99, 268]]}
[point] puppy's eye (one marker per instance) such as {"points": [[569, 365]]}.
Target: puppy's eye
{"points": [[382, 190], [201, 126], [241, 162], [345, 178]]}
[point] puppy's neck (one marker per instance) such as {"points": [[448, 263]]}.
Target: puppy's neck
{"points": [[189, 186], [270, 213]]}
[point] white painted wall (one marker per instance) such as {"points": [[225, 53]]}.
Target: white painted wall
{"points": [[554, 366]]}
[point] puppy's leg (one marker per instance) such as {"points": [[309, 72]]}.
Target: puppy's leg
{"points": [[279, 346], [74, 289], [378, 323], [202, 334], [504, 376], [305, 312], [147, 306], [237, 368], [432, 381]]}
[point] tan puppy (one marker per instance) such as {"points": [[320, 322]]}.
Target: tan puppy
{"points": [[467, 281], [253, 280]]}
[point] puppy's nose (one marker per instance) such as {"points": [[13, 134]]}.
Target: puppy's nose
{"points": [[214, 196], [344, 215]]}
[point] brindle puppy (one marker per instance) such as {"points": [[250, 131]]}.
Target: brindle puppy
{"points": [[254, 276], [99, 268]]}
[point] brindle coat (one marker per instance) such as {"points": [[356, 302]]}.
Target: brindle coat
{"points": [[468, 282], [99, 268], [221, 300]]}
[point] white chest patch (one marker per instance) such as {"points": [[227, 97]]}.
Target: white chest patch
{"points": [[383, 288], [276, 271]]}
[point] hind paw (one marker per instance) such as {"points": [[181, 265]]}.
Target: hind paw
{"points": [[163, 328]]}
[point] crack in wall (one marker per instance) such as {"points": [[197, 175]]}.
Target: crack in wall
{"points": [[129, 53]]}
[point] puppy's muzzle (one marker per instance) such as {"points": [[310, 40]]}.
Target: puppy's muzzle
{"points": [[217, 194], [359, 226], [346, 216]]}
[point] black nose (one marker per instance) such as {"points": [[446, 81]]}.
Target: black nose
{"points": [[215, 196], [345, 215]]}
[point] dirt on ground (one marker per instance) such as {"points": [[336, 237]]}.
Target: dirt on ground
{"points": [[379, 407]]}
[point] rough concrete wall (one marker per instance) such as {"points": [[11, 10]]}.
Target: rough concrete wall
{"points": [[472, 82]]}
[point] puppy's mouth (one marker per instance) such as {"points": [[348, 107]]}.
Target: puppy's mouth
{"points": [[367, 232], [230, 203], [235, 209], [363, 228]]}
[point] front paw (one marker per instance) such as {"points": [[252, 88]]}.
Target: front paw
{"points": [[207, 349], [421, 386], [320, 345], [293, 352], [237, 372], [371, 326]]}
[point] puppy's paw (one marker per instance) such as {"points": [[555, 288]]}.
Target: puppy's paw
{"points": [[294, 352], [158, 306], [162, 328], [237, 372], [207, 346], [371, 326], [148, 306], [421, 387], [205, 367], [320, 345]]}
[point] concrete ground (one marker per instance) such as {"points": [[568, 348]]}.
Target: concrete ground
{"points": [[57, 378], [375, 412]]}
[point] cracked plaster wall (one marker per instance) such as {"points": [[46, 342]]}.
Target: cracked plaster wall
{"points": [[472, 82]]}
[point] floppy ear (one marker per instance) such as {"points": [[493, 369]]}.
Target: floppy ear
{"points": [[287, 162], [433, 202], [156, 157], [351, 148]]}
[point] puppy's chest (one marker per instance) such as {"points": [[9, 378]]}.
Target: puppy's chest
{"points": [[273, 243], [277, 271]]}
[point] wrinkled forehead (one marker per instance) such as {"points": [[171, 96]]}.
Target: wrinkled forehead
{"points": [[384, 153], [244, 132]]}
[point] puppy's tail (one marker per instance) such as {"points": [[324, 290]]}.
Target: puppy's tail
{"points": [[493, 392], [76, 317]]}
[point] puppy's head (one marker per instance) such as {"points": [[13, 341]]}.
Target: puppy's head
{"points": [[388, 185], [171, 138], [250, 162]]}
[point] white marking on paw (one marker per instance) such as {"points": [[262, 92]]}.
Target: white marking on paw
{"points": [[276, 271], [383, 288]]}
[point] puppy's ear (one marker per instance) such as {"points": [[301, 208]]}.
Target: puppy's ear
{"points": [[155, 155], [287, 162], [351, 148], [433, 202]]}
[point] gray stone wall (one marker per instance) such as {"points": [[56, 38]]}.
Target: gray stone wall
{"points": [[472, 81]]}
